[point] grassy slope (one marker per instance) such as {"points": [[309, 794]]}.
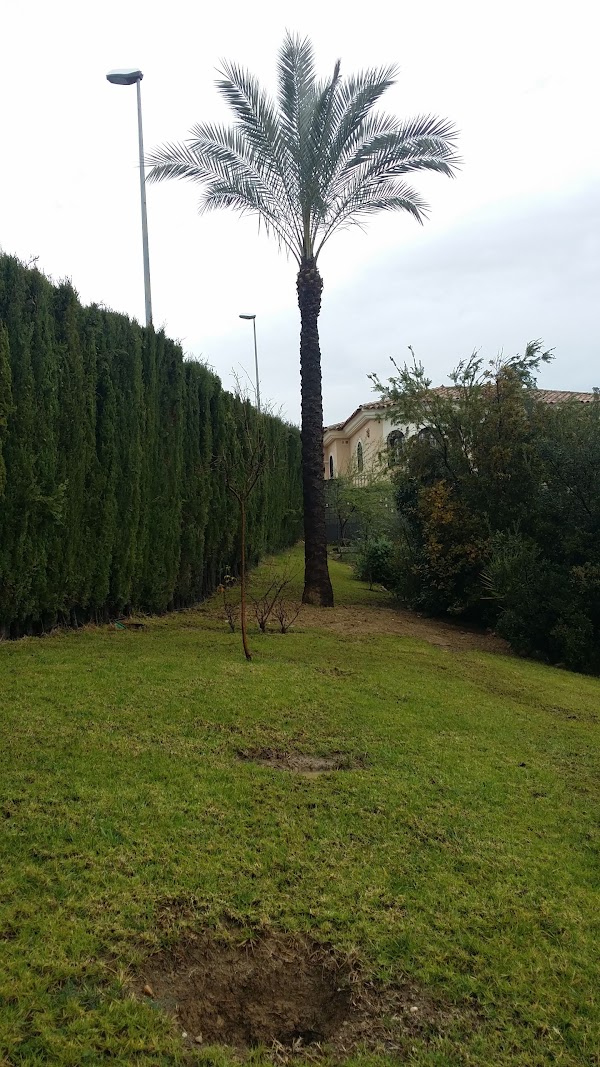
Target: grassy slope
{"points": [[465, 855]]}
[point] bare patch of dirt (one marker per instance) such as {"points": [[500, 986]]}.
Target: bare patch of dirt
{"points": [[301, 762], [569, 713], [285, 993], [361, 621], [275, 989]]}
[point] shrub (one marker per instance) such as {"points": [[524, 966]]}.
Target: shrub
{"points": [[545, 610], [374, 562], [437, 563], [499, 506]]}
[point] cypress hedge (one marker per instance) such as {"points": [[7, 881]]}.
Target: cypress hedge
{"points": [[112, 494]]}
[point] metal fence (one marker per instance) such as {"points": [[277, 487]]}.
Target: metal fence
{"points": [[352, 528], [334, 534]]}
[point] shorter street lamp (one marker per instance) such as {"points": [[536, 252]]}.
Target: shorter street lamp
{"points": [[131, 76], [253, 319]]}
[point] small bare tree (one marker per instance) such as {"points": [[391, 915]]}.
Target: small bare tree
{"points": [[246, 458], [271, 593], [286, 612]]}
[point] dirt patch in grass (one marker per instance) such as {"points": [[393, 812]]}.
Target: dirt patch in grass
{"points": [[275, 989], [578, 715], [301, 762], [334, 672], [285, 993], [444, 633]]}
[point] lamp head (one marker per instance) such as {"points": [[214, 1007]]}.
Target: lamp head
{"points": [[124, 76]]}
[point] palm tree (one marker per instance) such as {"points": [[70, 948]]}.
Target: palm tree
{"points": [[317, 159]]}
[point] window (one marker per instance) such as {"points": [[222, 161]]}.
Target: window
{"points": [[428, 435], [360, 462], [331, 466], [395, 443]]}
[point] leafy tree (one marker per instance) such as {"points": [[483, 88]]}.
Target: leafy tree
{"points": [[500, 505], [471, 470], [316, 160], [544, 576]]}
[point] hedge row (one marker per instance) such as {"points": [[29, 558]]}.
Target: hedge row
{"points": [[112, 491]]}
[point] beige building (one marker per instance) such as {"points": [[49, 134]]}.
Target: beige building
{"points": [[369, 439], [364, 441]]}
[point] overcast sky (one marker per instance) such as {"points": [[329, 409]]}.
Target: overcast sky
{"points": [[512, 248]]}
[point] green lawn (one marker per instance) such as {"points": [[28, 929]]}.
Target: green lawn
{"points": [[463, 856]]}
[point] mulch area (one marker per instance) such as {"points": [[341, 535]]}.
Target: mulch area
{"points": [[444, 633]]}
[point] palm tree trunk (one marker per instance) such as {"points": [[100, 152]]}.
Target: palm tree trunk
{"points": [[317, 584]]}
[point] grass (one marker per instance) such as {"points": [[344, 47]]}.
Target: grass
{"points": [[464, 855]]}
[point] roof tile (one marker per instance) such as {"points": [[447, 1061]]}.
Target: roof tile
{"points": [[547, 396]]}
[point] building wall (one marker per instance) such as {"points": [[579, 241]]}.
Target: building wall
{"points": [[339, 449], [371, 431]]}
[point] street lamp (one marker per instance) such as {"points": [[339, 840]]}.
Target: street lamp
{"points": [[253, 318], [129, 76]]}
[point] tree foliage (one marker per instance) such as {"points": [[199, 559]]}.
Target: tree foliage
{"points": [[316, 159], [499, 505], [113, 496], [361, 502], [5, 397]]}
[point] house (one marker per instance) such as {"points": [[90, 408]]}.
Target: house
{"points": [[358, 443], [368, 436]]}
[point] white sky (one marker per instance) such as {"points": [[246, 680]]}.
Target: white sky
{"points": [[511, 252]]}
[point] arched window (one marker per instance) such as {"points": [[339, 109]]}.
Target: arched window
{"points": [[395, 443], [331, 466], [360, 461], [427, 434]]}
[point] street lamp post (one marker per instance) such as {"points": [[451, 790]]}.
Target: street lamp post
{"points": [[253, 318], [129, 76]]}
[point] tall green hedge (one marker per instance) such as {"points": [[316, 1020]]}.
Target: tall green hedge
{"points": [[112, 494]]}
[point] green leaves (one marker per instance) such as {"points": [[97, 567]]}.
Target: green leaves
{"points": [[112, 495], [317, 158], [5, 395]]}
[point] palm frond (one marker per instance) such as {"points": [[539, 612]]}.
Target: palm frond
{"points": [[372, 126], [172, 161], [296, 77], [212, 149], [363, 199], [245, 200], [256, 113], [225, 152], [356, 98], [260, 125], [219, 151], [387, 147], [219, 157], [402, 142], [314, 157]]}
